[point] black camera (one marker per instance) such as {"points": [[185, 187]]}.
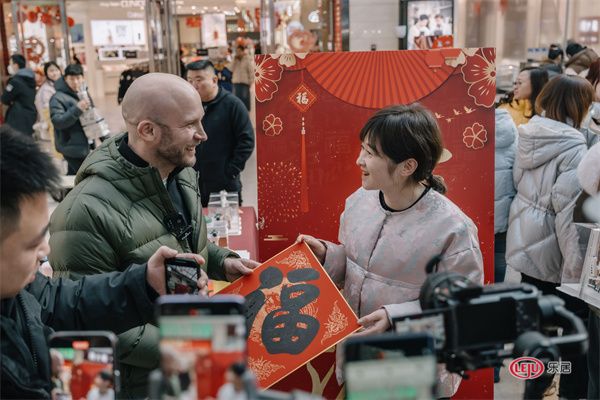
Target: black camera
{"points": [[478, 327], [474, 326]]}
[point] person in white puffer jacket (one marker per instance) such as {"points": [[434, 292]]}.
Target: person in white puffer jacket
{"points": [[504, 188], [542, 241]]}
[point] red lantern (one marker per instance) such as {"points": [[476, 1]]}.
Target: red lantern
{"points": [[46, 18], [70, 22], [32, 16], [193, 22], [37, 9]]}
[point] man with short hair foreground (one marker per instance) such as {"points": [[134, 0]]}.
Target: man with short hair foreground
{"points": [[32, 306], [135, 193]]}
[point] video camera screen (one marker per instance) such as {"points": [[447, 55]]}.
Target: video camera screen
{"points": [[427, 322], [496, 323], [390, 367], [197, 352], [82, 371]]}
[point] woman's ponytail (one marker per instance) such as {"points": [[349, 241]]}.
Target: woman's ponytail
{"points": [[436, 182]]}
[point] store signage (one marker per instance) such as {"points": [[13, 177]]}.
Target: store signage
{"points": [[123, 4]]}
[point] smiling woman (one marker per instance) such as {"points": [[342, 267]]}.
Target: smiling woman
{"points": [[397, 222]]}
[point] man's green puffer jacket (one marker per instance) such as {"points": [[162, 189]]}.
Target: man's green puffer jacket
{"points": [[114, 217]]}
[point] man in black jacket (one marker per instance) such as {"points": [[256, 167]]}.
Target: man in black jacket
{"points": [[19, 96], [32, 306], [222, 158], [65, 110]]}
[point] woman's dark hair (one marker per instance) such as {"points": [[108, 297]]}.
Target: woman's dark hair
{"points": [[566, 97], [593, 75], [407, 131], [48, 65], [538, 78]]}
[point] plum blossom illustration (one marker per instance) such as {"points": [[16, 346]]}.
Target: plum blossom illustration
{"points": [[266, 75], [475, 136], [272, 125], [479, 72]]}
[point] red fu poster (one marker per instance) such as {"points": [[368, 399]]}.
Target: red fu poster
{"points": [[294, 312], [309, 111]]}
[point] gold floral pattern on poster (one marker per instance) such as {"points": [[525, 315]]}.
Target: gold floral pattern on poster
{"points": [[296, 260], [336, 322], [263, 368]]}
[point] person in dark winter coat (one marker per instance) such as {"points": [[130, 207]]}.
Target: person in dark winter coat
{"points": [[65, 110], [32, 305], [222, 158], [19, 96]]}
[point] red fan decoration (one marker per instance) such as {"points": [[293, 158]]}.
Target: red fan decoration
{"points": [[376, 79]]}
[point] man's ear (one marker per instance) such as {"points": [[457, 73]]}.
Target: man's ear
{"points": [[147, 130]]}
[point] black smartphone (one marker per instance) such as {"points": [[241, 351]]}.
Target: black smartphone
{"points": [[202, 340], [390, 366], [83, 365], [181, 276]]}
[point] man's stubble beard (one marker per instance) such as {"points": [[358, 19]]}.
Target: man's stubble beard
{"points": [[171, 153]]}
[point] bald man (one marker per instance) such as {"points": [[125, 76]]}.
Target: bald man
{"points": [[135, 193]]}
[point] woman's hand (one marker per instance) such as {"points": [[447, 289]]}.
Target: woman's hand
{"points": [[315, 245], [376, 322]]}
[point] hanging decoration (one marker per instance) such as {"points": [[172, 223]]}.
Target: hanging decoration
{"points": [[32, 16], [303, 98], [34, 49], [47, 15], [193, 22]]}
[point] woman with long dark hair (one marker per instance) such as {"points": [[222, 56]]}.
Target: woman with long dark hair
{"points": [[519, 103], [397, 222], [542, 242]]}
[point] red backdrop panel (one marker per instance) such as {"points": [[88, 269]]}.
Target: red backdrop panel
{"points": [[310, 109]]}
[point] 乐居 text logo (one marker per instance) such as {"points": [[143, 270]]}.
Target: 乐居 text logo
{"points": [[526, 368]]}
